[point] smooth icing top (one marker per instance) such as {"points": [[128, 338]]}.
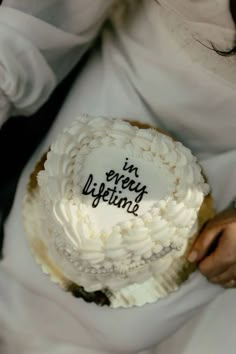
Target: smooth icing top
{"points": [[118, 203]]}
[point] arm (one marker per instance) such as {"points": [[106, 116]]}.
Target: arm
{"points": [[40, 42], [215, 248]]}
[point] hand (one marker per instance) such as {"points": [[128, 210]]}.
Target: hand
{"points": [[215, 249]]}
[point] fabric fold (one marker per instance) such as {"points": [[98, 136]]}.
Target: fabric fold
{"points": [[5, 108]]}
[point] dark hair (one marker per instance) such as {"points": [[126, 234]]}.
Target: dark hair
{"points": [[232, 6], [231, 51]]}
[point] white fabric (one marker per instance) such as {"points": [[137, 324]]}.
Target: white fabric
{"points": [[211, 331], [140, 69], [33, 61], [4, 107]]}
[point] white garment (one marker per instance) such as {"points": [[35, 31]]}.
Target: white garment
{"points": [[142, 68], [36, 55]]}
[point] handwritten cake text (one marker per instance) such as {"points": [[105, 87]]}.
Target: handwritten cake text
{"points": [[112, 196]]}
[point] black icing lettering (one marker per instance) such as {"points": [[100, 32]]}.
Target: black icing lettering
{"points": [[106, 193], [125, 203], [87, 185], [125, 183], [98, 196], [112, 195], [114, 175], [130, 168], [110, 174], [132, 186], [141, 192], [135, 208]]}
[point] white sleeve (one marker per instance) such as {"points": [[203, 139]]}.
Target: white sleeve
{"points": [[39, 48], [221, 174]]}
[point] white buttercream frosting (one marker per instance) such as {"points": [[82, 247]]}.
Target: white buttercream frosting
{"points": [[118, 205]]}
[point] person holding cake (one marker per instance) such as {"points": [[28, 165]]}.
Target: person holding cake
{"points": [[110, 204]]}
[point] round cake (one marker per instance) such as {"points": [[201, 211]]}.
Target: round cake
{"points": [[111, 210]]}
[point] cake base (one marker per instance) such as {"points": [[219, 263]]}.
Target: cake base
{"points": [[133, 295]]}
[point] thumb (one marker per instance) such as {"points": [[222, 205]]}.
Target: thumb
{"points": [[205, 243]]}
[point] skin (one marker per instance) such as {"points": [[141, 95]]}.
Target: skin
{"points": [[215, 249]]}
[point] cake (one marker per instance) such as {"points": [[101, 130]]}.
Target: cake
{"points": [[111, 210]]}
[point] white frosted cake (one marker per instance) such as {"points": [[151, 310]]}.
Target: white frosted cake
{"points": [[113, 211]]}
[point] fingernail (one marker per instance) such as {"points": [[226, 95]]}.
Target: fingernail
{"points": [[192, 256]]}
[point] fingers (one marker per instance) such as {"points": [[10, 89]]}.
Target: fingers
{"points": [[224, 277], [223, 257], [210, 233], [230, 284], [204, 242], [227, 279], [213, 265], [215, 252]]}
